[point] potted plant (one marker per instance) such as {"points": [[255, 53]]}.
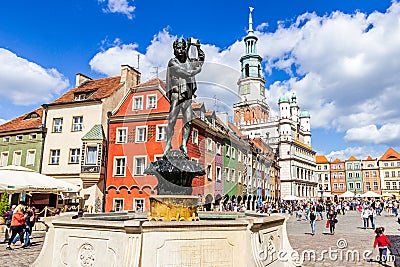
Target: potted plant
{"points": [[4, 206]]}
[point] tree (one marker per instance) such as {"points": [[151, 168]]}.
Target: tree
{"points": [[4, 204]]}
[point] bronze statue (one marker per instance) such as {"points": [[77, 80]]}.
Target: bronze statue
{"points": [[181, 87]]}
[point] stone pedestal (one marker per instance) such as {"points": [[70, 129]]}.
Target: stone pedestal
{"points": [[173, 208], [93, 241]]}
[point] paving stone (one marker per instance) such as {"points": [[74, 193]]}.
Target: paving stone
{"points": [[349, 238]]}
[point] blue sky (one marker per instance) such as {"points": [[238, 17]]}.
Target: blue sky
{"points": [[340, 57]]}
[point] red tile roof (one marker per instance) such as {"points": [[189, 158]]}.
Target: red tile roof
{"points": [[390, 154], [352, 158], [153, 82], [23, 122], [321, 159], [235, 129], [369, 158], [337, 160], [103, 88]]}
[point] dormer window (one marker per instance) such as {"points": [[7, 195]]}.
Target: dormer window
{"points": [[6, 139], [32, 115], [79, 97], [19, 137]]}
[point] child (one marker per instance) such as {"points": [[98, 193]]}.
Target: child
{"points": [[382, 241]]}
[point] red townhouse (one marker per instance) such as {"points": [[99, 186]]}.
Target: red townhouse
{"points": [[137, 135]]}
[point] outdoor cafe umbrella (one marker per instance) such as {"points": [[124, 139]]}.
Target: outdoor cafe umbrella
{"points": [[347, 194], [20, 179], [370, 194], [290, 197]]}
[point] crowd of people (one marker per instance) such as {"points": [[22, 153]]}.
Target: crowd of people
{"points": [[19, 222]]}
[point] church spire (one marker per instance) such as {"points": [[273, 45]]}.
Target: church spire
{"points": [[250, 21]]}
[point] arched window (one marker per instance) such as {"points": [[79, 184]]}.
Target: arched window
{"points": [[246, 70]]}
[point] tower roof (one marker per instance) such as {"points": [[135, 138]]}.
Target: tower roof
{"points": [[305, 114], [283, 99]]}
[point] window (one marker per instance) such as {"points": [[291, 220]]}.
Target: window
{"points": [[55, 156], [74, 155], [368, 185], [367, 174], [57, 125], [393, 173], [356, 166], [351, 186], [386, 164], [319, 167], [209, 144], [375, 185], [209, 172], [218, 148], [6, 139], [335, 186], [195, 136], [350, 175], [227, 174], [195, 160], [141, 134], [325, 167], [140, 165], [341, 186], [4, 159], [77, 124], [30, 157], [139, 205], [233, 152], [33, 136], [119, 166], [386, 174], [151, 101], [228, 150], [398, 173], [161, 132], [121, 135], [394, 185], [239, 177], [218, 173], [392, 164], [232, 176], [326, 177], [118, 204], [91, 155], [374, 173], [138, 102], [239, 156], [17, 158], [387, 185], [19, 138]]}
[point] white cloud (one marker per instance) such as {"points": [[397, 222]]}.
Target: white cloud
{"points": [[343, 67], [387, 134], [119, 6], [262, 26], [2, 121], [360, 153], [29, 83]]}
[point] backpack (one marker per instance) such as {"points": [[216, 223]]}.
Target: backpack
{"points": [[9, 218]]}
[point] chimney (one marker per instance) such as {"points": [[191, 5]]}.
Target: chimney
{"points": [[223, 116], [130, 77], [80, 79]]}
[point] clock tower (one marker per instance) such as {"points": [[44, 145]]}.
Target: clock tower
{"points": [[251, 108]]}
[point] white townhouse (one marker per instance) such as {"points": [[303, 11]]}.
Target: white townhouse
{"points": [[76, 124]]}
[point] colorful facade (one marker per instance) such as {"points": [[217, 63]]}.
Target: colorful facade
{"points": [[338, 178], [370, 175], [389, 168], [354, 180]]}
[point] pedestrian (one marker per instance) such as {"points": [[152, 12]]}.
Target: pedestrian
{"points": [[372, 217], [382, 242], [17, 224], [319, 210], [313, 217], [365, 216], [8, 218], [331, 216]]}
